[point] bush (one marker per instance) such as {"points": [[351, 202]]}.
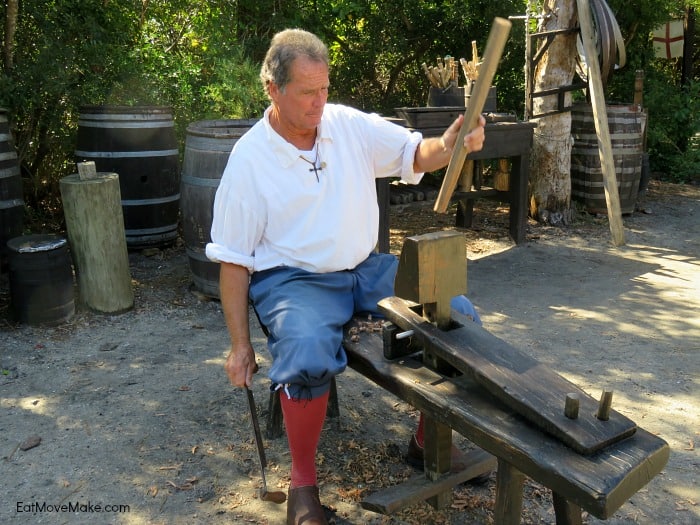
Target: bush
{"points": [[674, 120]]}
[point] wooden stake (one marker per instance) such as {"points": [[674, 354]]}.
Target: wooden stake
{"points": [[492, 54], [600, 117], [571, 406], [605, 405], [87, 170]]}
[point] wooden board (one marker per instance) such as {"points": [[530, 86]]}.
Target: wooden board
{"points": [[599, 483], [532, 389], [595, 87], [419, 488], [423, 117]]}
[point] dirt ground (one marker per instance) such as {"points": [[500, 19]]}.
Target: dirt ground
{"points": [[134, 410]]}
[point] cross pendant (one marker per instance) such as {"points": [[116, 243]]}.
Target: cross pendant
{"points": [[316, 169]]}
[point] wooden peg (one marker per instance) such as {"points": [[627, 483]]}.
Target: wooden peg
{"points": [[87, 170], [571, 406], [604, 405]]}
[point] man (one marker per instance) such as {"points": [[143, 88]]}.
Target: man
{"points": [[294, 228]]}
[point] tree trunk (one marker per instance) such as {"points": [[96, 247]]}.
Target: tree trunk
{"points": [[550, 181], [10, 28]]}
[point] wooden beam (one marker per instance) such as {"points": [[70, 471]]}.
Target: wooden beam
{"points": [[492, 54], [419, 488], [600, 116]]}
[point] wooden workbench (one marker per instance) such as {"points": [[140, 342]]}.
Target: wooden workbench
{"points": [[598, 483], [504, 140]]}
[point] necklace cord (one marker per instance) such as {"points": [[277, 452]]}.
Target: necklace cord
{"points": [[315, 167]]}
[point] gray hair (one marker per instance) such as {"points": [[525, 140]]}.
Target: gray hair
{"points": [[286, 46]]}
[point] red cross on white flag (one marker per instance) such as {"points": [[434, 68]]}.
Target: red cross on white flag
{"points": [[668, 40]]}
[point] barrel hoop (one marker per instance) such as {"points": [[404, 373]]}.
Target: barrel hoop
{"points": [[147, 231], [126, 154], [125, 118], [11, 171], [9, 155], [125, 125], [206, 144], [5, 137], [160, 200], [191, 180], [11, 203]]}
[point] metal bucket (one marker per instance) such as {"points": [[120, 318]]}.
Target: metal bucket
{"points": [[41, 279]]}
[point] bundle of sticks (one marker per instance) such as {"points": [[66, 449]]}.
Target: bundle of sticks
{"points": [[471, 68], [445, 74]]}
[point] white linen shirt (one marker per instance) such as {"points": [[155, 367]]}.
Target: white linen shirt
{"points": [[270, 210]]}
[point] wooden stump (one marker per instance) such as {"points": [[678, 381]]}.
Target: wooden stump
{"points": [[95, 224]]}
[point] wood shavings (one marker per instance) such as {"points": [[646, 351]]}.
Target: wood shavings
{"points": [[188, 485]]}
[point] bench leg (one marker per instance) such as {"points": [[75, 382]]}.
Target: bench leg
{"points": [[567, 513], [275, 421], [509, 494], [465, 212], [437, 459]]}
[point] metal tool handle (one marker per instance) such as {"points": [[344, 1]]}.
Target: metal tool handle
{"points": [[256, 428]]}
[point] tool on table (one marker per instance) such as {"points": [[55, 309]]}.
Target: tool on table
{"points": [[276, 496]]}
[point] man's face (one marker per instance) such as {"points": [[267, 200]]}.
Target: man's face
{"points": [[301, 104]]}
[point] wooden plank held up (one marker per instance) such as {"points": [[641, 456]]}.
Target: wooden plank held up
{"points": [[492, 55], [600, 117]]}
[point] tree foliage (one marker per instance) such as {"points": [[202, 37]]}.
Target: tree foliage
{"points": [[202, 59]]}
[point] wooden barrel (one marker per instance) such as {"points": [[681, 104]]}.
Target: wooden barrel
{"points": [[207, 147], [11, 201], [625, 125], [139, 144], [41, 279]]}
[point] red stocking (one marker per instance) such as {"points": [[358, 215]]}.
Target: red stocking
{"points": [[419, 431], [303, 420]]}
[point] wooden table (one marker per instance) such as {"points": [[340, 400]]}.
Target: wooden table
{"points": [[510, 140]]}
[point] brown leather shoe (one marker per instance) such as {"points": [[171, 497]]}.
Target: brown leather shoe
{"points": [[458, 462], [304, 507]]}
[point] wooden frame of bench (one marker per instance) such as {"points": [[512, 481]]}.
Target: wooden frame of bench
{"points": [[598, 483]]}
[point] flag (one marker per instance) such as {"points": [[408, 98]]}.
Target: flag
{"points": [[668, 40]]}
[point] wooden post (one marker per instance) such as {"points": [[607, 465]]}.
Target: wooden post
{"points": [[432, 270], [571, 406], [595, 87], [605, 405], [509, 494], [638, 87], [95, 224]]}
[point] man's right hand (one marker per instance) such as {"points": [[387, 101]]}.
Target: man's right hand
{"points": [[240, 365]]}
